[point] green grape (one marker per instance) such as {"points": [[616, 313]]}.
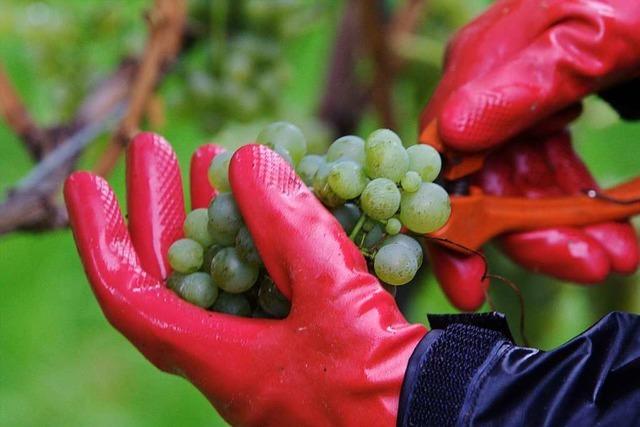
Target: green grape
{"points": [[308, 166], [209, 253], [246, 248], [393, 226], [411, 181], [195, 227], [395, 264], [369, 224], [224, 218], [219, 171], [175, 280], [185, 256], [385, 156], [235, 304], [271, 299], [202, 86], [231, 273], [347, 179], [287, 135], [318, 136], [284, 153], [348, 147], [263, 51], [198, 289], [374, 236], [222, 239], [239, 101], [380, 199], [244, 103], [252, 293], [426, 210], [386, 136], [425, 160], [323, 190], [409, 242], [239, 67], [268, 85], [347, 215]]}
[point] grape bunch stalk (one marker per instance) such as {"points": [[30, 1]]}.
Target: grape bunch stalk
{"points": [[382, 194]]}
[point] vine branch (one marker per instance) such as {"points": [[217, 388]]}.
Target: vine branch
{"points": [[34, 203], [166, 23], [17, 117]]}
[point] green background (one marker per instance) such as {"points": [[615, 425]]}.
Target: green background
{"points": [[61, 364]]}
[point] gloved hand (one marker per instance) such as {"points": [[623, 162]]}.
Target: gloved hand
{"points": [[340, 356], [516, 76]]}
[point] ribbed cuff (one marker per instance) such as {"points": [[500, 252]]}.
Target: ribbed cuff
{"points": [[443, 364]]}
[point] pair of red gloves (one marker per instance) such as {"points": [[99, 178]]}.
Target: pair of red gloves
{"points": [[518, 72], [513, 81]]}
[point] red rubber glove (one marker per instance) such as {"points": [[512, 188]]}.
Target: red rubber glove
{"points": [[517, 74], [339, 358]]}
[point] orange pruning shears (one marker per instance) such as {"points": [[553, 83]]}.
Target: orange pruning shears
{"points": [[477, 218]]}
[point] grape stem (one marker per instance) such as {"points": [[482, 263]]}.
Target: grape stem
{"points": [[361, 244], [367, 254], [358, 227]]}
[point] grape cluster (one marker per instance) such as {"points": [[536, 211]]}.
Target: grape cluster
{"points": [[217, 265], [383, 187], [374, 188], [240, 72]]}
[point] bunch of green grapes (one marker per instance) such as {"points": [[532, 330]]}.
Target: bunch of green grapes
{"points": [[376, 189], [239, 72], [217, 266]]}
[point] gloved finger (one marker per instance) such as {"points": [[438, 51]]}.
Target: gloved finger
{"points": [[532, 175], [171, 333], [549, 167], [565, 253], [201, 190], [569, 171], [481, 46], [546, 168], [155, 201], [618, 239], [299, 241], [497, 176], [101, 234], [556, 123], [525, 89], [620, 242], [518, 170], [460, 276]]}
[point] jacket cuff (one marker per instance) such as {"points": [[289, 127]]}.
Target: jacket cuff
{"points": [[444, 363]]}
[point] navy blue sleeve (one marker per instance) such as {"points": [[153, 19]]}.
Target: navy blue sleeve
{"points": [[469, 373]]}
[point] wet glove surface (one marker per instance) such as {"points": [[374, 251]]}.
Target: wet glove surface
{"points": [[339, 357], [514, 78]]}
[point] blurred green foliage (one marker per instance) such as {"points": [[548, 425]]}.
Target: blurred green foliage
{"points": [[60, 362]]}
